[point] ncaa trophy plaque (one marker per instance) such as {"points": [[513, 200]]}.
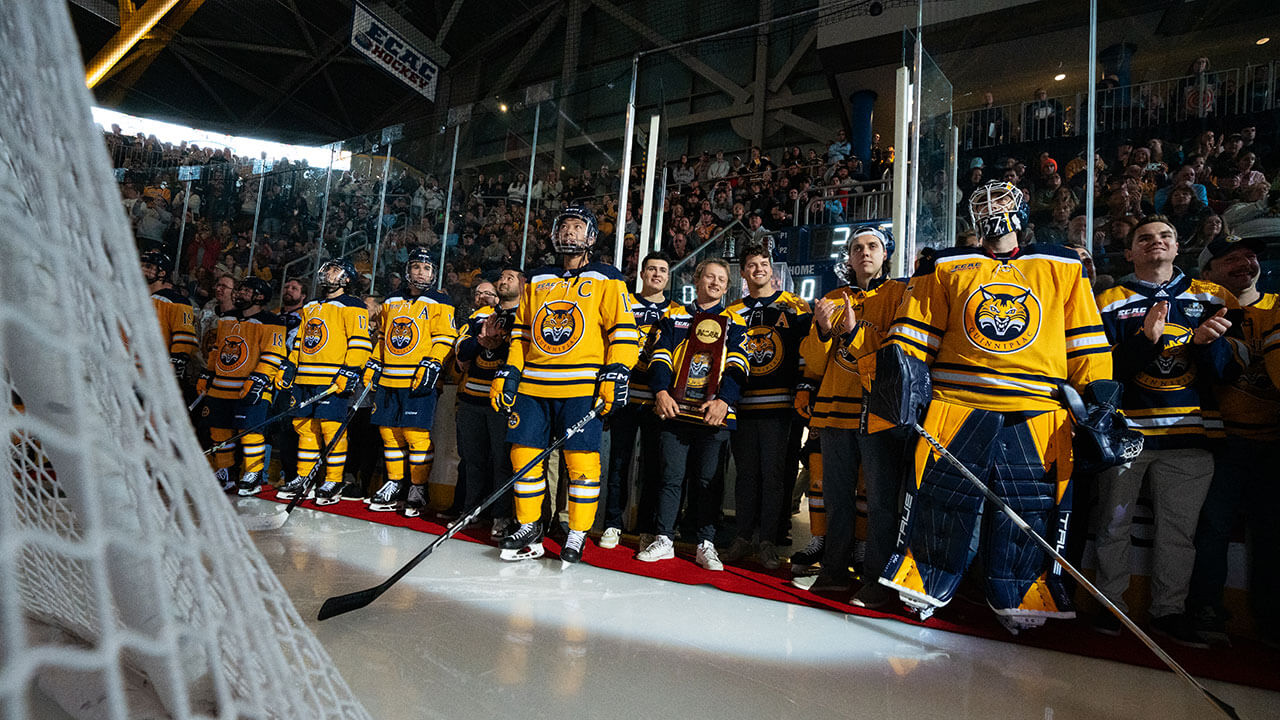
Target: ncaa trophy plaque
{"points": [[698, 379]]}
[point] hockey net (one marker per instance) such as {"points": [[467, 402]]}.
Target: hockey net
{"points": [[128, 588]]}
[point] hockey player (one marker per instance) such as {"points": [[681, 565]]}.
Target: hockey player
{"points": [[1169, 348], [417, 335], [1001, 327], [177, 319], [648, 307], [241, 374], [691, 441], [777, 321], [572, 347], [330, 354], [483, 346], [850, 323]]}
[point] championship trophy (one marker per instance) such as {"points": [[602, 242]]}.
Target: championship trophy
{"points": [[698, 379]]}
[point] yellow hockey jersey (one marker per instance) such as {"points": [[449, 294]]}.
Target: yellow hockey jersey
{"points": [[333, 334], [776, 325], [245, 345], [177, 322], [1003, 334], [413, 328], [478, 363], [832, 366], [647, 315], [1250, 405], [570, 323]]}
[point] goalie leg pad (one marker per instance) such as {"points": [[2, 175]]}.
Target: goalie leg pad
{"points": [[940, 526]]}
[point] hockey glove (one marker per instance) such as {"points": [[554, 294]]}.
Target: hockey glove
{"points": [[288, 371], [179, 363], [612, 387], [804, 400], [900, 391], [1102, 437], [502, 392], [255, 389], [372, 373], [202, 382], [345, 381], [426, 377]]}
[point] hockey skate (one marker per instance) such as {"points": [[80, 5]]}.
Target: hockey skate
{"points": [[223, 476], [572, 551], [386, 499], [416, 501], [802, 561], [292, 489], [1017, 622], [524, 544], [329, 493], [250, 484]]}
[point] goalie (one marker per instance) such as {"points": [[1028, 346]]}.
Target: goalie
{"points": [[1001, 327]]}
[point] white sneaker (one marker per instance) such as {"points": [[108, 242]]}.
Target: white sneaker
{"points": [[660, 549], [610, 538], [707, 556]]}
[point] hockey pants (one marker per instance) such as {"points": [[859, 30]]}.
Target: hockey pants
{"points": [[401, 444], [253, 448], [1026, 461], [313, 434], [583, 469]]}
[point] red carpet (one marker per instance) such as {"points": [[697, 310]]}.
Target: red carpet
{"points": [[1247, 662]]}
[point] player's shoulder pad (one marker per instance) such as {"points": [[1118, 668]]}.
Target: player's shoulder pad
{"points": [[349, 301], [435, 296], [952, 254], [601, 270], [546, 272], [267, 318], [1050, 250], [171, 295]]}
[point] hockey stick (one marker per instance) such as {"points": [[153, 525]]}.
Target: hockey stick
{"points": [[1073, 572], [340, 604], [293, 408], [199, 399], [324, 456]]}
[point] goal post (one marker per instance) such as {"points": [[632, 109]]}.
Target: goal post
{"points": [[128, 588]]}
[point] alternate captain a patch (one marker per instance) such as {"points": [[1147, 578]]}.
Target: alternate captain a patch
{"points": [[1002, 318], [402, 335], [557, 327], [314, 336]]}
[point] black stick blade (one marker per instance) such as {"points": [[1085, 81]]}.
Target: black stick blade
{"points": [[340, 604]]}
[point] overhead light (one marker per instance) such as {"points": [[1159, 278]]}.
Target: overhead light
{"points": [[1060, 77], [502, 107], [875, 9], [1262, 41]]}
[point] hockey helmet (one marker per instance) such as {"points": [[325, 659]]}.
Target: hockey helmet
{"points": [[159, 260], [998, 208], [574, 245], [339, 282], [885, 236], [260, 292], [419, 254]]}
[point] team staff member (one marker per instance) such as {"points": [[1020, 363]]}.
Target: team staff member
{"points": [[777, 321], [688, 442], [242, 371], [330, 353], [1001, 327], [648, 307], [573, 346], [417, 336], [850, 323], [482, 431]]}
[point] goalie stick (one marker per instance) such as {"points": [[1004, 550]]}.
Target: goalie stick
{"points": [[1073, 572], [324, 456], [293, 408], [340, 604]]}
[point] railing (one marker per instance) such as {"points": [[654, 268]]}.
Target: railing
{"points": [[869, 200], [348, 250]]}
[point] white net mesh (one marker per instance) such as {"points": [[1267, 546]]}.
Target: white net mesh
{"points": [[127, 585]]}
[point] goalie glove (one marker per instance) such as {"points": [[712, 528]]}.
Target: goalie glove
{"points": [[1102, 437], [612, 387], [900, 390], [202, 382], [426, 377], [255, 389], [344, 381], [502, 392], [372, 373], [804, 399], [179, 363]]}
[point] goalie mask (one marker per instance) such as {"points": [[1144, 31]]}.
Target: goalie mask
{"points": [[252, 291], [160, 262], [422, 256], [335, 275], [844, 271], [998, 208], [572, 238]]}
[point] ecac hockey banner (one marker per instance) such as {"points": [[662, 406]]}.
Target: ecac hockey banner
{"points": [[392, 51]]}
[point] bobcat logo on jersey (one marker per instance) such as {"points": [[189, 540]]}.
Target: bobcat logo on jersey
{"points": [[232, 353], [513, 420], [314, 335], [402, 335], [764, 349], [1172, 369], [1002, 318], [557, 327]]}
